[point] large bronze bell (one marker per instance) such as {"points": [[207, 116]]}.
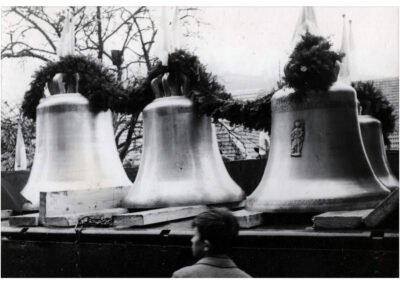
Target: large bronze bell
{"points": [[316, 162], [75, 149], [181, 163], [371, 131]]}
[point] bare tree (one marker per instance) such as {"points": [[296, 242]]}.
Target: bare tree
{"points": [[121, 37]]}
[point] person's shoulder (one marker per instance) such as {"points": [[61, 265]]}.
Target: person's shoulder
{"points": [[240, 273], [184, 272]]}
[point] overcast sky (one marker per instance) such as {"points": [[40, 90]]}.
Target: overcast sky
{"points": [[245, 46]]}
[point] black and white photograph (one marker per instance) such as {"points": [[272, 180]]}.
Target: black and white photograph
{"points": [[182, 139]]}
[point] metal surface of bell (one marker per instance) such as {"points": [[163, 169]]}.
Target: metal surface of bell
{"points": [[316, 162], [181, 163], [75, 149], [371, 131]]}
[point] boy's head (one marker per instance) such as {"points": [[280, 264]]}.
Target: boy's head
{"points": [[214, 232]]}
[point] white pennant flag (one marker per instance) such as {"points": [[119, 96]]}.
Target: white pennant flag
{"points": [[20, 152], [170, 32], [344, 74], [66, 45], [307, 22]]}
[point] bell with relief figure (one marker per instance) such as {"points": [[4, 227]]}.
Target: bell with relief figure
{"points": [[317, 161], [181, 163]]}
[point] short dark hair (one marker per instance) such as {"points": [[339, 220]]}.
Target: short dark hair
{"points": [[219, 227]]}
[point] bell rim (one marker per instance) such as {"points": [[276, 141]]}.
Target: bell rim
{"points": [[355, 202]]}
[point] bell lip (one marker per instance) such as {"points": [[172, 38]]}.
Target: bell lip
{"points": [[131, 204], [318, 205], [366, 118], [29, 207]]}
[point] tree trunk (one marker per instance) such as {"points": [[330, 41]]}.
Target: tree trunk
{"points": [[128, 140], [99, 31]]}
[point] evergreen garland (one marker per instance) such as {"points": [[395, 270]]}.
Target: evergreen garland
{"points": [[312, 65], [96, 83], [208, 95], [374, 103]]}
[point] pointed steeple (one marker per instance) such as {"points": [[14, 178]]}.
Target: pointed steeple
{"points": [[351, 40], [352, 55], [344, 74], [20, 152]]}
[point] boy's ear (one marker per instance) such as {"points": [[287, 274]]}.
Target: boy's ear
{"points": [[207, 245]]}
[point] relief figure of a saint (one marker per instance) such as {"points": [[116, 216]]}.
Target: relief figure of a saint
{"points": [[297, 138]]}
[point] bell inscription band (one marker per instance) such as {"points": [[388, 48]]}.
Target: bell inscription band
{"points": [[332, 173], [75, 148], [180, 164], [371, 131]]}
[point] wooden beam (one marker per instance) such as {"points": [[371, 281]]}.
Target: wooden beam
{"points": [[340, 219], [155, 216], [71, 220], [231, 206], [383, 209], [5, 214], [248, 219], [27, 220], [59, 203]]}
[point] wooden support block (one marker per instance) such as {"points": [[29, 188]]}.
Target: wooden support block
{"points": [[5, 214], [341, 219], [70, 220], [248, 219], [155, 216], [231, 206], [383, 209], [27, 220], [60, 203]]}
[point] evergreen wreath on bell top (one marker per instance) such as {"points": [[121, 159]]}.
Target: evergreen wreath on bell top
{"points": [[312, 65], [208, 95], [96, 83]]}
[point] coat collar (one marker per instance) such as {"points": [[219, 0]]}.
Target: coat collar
{"points": [[223, 262]]}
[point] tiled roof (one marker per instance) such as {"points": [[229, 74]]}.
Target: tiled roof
{"points": [[390, 88], [228, 141]]}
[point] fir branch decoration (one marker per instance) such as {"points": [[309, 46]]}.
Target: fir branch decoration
{"points": [[312, 65], [208, 95], [374, 103], [96, 83]]}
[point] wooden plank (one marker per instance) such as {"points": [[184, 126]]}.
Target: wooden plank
{"points": [[232, 206], [248, 219], [27, 220], [155, 216], [5, 214], [60, 203], [383, 209], [340, 219], [70, 220]]}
